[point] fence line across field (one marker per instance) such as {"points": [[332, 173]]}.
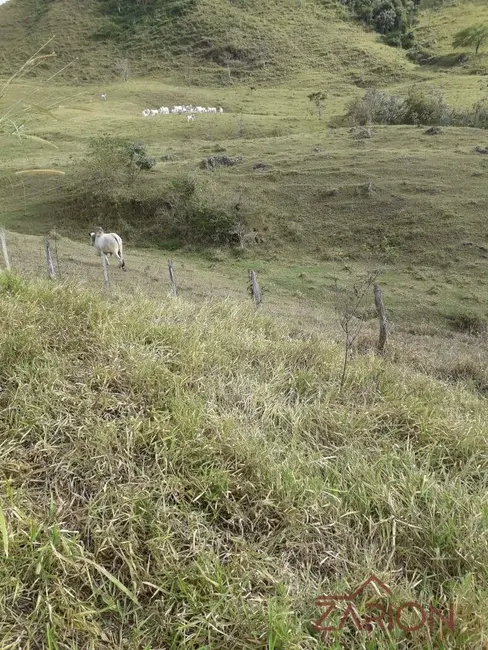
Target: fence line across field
{"points": [[253, 285]]}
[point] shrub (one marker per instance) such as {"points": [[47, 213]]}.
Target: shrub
{"points": [[376, 107], [420, 106], [392, 18], [196, 214], [400, 39], [477, 117], [426, 107], [114, 162], [145, 163], [138, 160]]}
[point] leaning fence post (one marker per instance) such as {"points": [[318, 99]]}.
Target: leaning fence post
{"points": [[174, 289], [49, 257], [254, 288], [106, 283], [3, 244], [380, 308]]}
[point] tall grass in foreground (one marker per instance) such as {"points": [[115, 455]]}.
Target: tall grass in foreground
{"points": [[183, 477]]}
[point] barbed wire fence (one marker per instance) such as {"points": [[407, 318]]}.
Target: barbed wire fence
{"points": [[253, 288]]}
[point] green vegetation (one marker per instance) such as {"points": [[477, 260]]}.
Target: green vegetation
{"points": [[439, 22], [126, 20], [203, 42], [417, 107], [114, 163], [474, 36], [184, 473], [392, 18], [317, 98], [188, 477]]}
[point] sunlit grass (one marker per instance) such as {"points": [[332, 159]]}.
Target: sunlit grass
{"points": [[176, 476]]}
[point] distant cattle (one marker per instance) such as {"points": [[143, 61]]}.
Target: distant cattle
{"points": [[177, 110]]}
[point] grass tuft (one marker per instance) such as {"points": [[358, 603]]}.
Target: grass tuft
{"points": [[184, 477]]}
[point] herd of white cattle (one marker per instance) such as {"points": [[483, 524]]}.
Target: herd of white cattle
{"points": [[190, 111]]}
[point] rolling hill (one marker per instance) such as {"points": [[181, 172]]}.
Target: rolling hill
{"points": [[201, 41], [183, 472], [437, 26]]}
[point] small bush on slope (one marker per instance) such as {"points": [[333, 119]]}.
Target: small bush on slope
{"points": [[182, 477], [418, 107]]}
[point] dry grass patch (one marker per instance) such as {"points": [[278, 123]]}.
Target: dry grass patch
{"points": [[185, 477]]}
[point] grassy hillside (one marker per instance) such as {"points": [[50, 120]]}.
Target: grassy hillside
{"points": [[311, 208], [184, 473], [195, 40], [422, 220], [438, 25], [184, 477], [426, 198], [437, 318]]}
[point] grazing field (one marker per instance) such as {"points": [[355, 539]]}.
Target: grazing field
{"points": [[422, 222], [188, 472]]}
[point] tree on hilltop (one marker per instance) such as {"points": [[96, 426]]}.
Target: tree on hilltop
{"points": [[474, 36]]}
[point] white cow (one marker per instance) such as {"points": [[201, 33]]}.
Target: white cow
{"points": [[108, 244], [146, 112], [154, 112], [103, 96], [190, 118]]}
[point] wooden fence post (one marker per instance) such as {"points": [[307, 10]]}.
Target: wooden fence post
{"points": [[380, 308], [49, 258], [106, 282], [254, 288], [174, 289], [3, 245], [54, 235]]}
